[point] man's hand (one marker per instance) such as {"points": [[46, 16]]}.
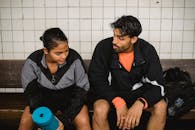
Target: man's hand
{"points": [[133, 115], [121, 114]]}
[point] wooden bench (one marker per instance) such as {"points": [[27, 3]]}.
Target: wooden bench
{"points": [[12, 100]]}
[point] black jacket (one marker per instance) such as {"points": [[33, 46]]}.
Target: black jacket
{"points": [[146, 72]]}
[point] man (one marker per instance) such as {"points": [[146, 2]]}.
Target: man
{"points": [[136, 79]]}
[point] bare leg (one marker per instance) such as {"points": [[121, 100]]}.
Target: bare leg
{"points": [[158, 116], [100, 115], [81, 121], [26, 122]]}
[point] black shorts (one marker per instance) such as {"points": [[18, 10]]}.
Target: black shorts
{"points": [[68, 102]]}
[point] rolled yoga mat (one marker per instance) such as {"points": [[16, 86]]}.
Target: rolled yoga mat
{"points": [[45, 119]]}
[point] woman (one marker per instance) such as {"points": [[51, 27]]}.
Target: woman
{"points": [[55, 77]]}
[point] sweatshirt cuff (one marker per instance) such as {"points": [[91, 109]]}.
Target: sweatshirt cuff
{"points": [[118, 102]]}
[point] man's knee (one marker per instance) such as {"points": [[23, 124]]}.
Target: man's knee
{"points": [[101, 108], [160, 108]]}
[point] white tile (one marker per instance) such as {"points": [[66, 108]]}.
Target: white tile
{"points": [[144, 3], [109, 12], [74, 36], [28, 13], [38, 34], [29, 36], [16, 3], [18, 47], [17, 24], [97, 35], [167, 3], [189, 24], [188, 47], [85, 35], [29, 47], [39, 13], [144, 13], [73, 12], [154, 35], [75, 46], [177, 36], [5, 13], [97, 3], [6, 24], [39, 24], [178, 13], [38, 45], [39, 3], [74, 24], [97, 12], [188, 36], [156, 46], [6, 35], [8, 56], [120, 3], [109, 3], [155, 3], [2, 90], [107, 34], [5, 3], [166, 36], [85, 3], [17, 35], [73, 2], [16, 13], [9, 90], [166, 24], [85, 12], [7, 47], [155, 13], [178, 3], [177, 24], [120, 11], [62, 23], [50, 12], [107, 23], [167, 13], [50, 23], [144, 23], [97, 24], [165, 56], [28, 24], [190, 3], [62, 3], [27, 3], [85, 24], [165, 47], [154, 24], [132, 11], [189, 13], [176, 55], [132, 3], [187, 56], [144, 35], [62, 12], [26, 54], [50, 3], [176, 47], [86, 56], [85, 47]]}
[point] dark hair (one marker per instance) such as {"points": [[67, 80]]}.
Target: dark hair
{"points": [[51, 36], [128, 25]]}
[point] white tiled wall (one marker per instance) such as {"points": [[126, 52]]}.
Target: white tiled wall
{"points": [[168, 24]]}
